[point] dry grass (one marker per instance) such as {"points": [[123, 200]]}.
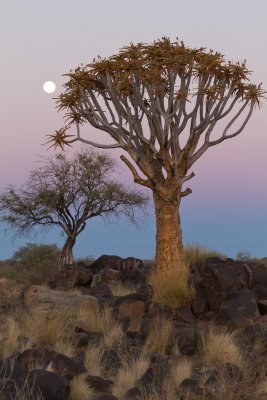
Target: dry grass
{"points": [[9, 338], [101, 319], [171, 287], [158, 338], [181, 371], [66, 347], [92, 358], [79, 389], [122, 290], [129, 374], [96, 318], [46, 327], [196, 253], [217, 345]]}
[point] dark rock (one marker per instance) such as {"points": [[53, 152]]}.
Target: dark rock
{"points": [[157, 358], [107, 397], [104, 261], [184, 338], [44, 356], [52, 385], [99, 384], [159, 310], [11, 390], [199, 303], [240, 310], [192, 386], [100, 290], [11, 369], [184, 314], [131, 263], [106, 277], [155, 375], [69, 278], [145, 291], [259, 280], [134, 393], [130, 307], [220, 281], [111, 361], [255, 333], [84, 339], [262, 304]]}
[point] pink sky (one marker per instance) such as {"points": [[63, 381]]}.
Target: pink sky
{"points": [[40, 41]]}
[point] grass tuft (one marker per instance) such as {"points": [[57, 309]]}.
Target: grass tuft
{"points": [[171, 287], [129, 374], [159, 336], [217, 345]]}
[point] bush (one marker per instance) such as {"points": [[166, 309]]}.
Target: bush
{"points": [[32, 263]]}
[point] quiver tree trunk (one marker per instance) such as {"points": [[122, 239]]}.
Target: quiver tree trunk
{"points": [[66, 255], [169, 245]]}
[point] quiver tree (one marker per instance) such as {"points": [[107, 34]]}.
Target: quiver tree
{"points": [[161, 104], [66, 193]]}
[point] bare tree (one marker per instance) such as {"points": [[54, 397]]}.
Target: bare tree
{"points": [[66, 193], [160, 103]]}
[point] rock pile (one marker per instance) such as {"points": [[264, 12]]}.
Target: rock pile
{"points": [[227, 292]]}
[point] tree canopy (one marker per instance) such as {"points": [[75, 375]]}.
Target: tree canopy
{"points": [[67, 192]]}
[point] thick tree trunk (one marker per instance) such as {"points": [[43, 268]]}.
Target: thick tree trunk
{"points": [[66, 255], [169, 245]]}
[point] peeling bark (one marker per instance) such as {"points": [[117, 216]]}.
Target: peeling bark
{"points": [[169, 245]]}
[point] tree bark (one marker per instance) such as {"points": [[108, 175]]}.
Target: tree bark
{"points": [[169, 245], [66, 255]]}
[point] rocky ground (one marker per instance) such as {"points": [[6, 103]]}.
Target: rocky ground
{"points": [[103, 332]]}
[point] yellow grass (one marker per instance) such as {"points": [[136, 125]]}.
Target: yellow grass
{"points": [[122, 290], [129, 374], [45, 327], [196, 253], [181, 371], [218, 345], [159, 336], [9, 338], [92, 358], [171, 287], [96, 318], [79, 389]]}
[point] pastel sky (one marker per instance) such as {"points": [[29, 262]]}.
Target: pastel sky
{"points": [[42, 40]]}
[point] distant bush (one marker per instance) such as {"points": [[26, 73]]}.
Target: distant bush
{"points": [[244, 256], [32, 263]]}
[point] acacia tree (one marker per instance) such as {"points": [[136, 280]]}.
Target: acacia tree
{"points": [[66, 192], [161, 104]]}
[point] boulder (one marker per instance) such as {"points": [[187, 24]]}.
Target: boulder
{"points": [[259, 280], [107, 276], [100, 291], [184, 314], [99, 384], [53, 386], [240, 310], [104, 261], [184, 338], [45, 356], [220, 280], [43, 299], [69, 278]]}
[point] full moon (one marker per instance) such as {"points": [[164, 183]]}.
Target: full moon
{"points": [[49, 87]]}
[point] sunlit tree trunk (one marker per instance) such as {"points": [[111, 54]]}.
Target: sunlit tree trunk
{"points": [[66, 255], [169, 245]]}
